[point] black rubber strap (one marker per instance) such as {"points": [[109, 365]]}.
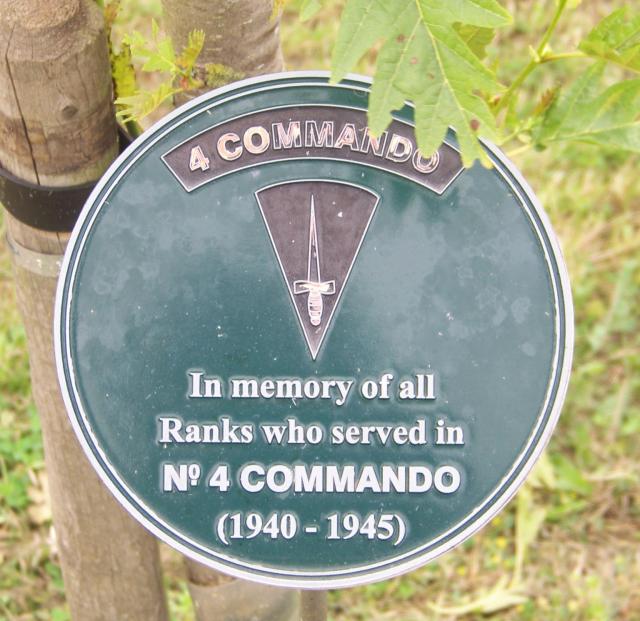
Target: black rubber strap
{"points": [[47, 208]]}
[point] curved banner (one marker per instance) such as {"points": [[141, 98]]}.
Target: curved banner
{"points": [[308, 132]]}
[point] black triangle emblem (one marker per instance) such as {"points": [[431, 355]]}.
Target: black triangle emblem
{"points": [[317, 229]]}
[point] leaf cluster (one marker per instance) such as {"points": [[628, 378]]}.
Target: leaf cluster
{"points": [[434, 54], [178, 72], [157, 55]]}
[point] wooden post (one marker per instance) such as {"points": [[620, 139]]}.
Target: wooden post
{"points": [[313, 606], [243, 36], [57, 128]]}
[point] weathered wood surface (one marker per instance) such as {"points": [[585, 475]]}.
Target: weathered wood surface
{"points": [[56, 117], [57, 128]]}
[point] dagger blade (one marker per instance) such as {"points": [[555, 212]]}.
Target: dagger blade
{"points": [[313, 265]]}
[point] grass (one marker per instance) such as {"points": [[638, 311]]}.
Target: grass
{"points": [[568, 547]]}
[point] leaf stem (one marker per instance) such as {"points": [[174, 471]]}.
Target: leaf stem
{"points": [[515, 85], [518, 150], [509, 137], [134, 128], [536, 60], [552, 26], [549, 58]]}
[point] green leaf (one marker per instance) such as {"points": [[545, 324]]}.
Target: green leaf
{"points": [[309, 8], [397, 70], [622, 309], [159, 57], [425, 59], [562, 109], [163, 58], [529, 520], [570, 478], [362, 24], [616, 39], [433, 66], [485, 13], [543, 474], [476, 37], [136, 107], [138, 44], [187, 59], [124, 75], [566, 507], [609, 118]]}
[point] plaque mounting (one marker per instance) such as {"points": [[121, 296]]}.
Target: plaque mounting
{"points": [[287, 346]]}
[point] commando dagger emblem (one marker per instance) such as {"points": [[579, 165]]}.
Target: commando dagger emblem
{"points": [[316, 227], [314, 285]]}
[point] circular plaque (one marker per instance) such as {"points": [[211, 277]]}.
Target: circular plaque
{"points": [[304, 355]]}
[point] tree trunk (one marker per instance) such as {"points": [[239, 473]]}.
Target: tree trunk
{"points": [[242, 37], [242, 40], [313, 606], [57, 128], [219, 598]]}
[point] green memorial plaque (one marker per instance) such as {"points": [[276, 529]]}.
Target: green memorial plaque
{"points": [[302, 355]]}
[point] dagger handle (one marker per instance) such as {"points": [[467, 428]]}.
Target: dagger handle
{"points": [[315, 307]]}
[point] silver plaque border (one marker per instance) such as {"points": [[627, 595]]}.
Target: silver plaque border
{"points": [[339, 578]]}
